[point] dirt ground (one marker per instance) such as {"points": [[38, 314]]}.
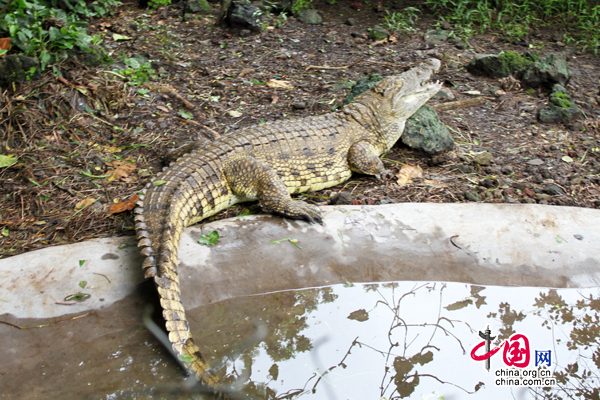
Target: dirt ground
{"points": [[95, 137]]}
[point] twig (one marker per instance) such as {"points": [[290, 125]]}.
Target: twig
{"points": [[5, 7], [42, 325], [103, 276], [453, 105], [325, 67], [171, 90]]}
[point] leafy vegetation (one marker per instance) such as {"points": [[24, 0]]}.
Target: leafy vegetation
{"points": [[403, 21], [517, 17], [49, 29]]}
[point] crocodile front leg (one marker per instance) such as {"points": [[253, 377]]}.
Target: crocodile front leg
{"points": [[363, 158], [250, 178]]}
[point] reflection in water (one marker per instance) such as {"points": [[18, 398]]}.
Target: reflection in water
{"points": [[402, 340], [369, 341]]}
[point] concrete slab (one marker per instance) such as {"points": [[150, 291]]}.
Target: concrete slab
{"points": [[485, 244]]}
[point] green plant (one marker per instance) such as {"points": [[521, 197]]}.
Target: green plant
{"points": [[158, 3], [517, 17], [300, 5], [403, 21], [139, 73], [39, 30]]}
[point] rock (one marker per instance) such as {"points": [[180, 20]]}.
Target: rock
{"points": [[444, 94], [535, 161], [18, 68], [560, 108], [501, 65], [435, 37], [554, 190], [464, 168], [242, 15], [483, 158], [311, 17], [542, 196], [299, 105], [379, 33], [351, 21], [548, 71], [489, 183], [341, 198], [425, 131], [197, 7], [472, 196]]}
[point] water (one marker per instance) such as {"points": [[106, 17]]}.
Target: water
{"points": [[403, 340], [356, 341]]}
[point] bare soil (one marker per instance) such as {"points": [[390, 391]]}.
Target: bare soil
{"points": [[93, 138]]}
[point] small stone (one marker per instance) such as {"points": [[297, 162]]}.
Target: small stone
{"points": [[464, 168], [554, 190], [341, 198], [489, 183], [435, 37], [299, 105], [444, 94], [484, 158], [351, 21], [578, 237], [535, 161], [472, 196]]}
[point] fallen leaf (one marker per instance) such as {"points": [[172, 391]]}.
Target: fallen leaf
{"points": [[163, 109], [85, 203], [378, 42], [434, 183], [245, 71], [393, 39], [118, 38], [122, 170], [235, 114], [278, 83], [473, 92], [5, 43], [408, 173], [274, 99], [567, 159], [7, 161], [126, 205]]}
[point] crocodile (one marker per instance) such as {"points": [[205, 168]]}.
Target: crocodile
{"points": [[267, 162]]}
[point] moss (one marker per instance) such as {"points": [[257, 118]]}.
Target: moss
{"points": [[513, 61]]}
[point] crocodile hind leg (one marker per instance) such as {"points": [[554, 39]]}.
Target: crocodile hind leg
{"points": [[254, 179]]}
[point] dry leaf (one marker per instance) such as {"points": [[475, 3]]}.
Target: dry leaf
{"points": [[434, 183], [393, 39], [126, 205], [407, 174], [5, 43], [163, 109], [245, 71], [84, 203], [122, 170], [274, 99], [278, 83], [378, 42]]}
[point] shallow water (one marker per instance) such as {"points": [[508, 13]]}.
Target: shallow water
{"points": [[354, 341]]}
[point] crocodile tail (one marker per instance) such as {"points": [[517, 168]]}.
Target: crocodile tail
{"points": [[161, 217]]}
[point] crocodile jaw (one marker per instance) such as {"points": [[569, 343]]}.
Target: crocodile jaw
{"points": [[410, 90]]}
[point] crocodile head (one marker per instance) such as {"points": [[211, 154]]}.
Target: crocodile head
{"points": [[387, 105]]}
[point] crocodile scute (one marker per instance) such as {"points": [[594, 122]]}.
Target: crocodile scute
{"points": [[267, 162]]}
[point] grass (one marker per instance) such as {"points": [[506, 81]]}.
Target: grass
{"points": [[518, 17]]}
